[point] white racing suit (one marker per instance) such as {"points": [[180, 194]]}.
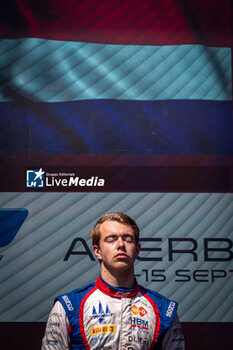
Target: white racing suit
{"points": [[100, 316]]}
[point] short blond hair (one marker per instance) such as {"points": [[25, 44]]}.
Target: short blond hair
{"points": [[119, 217]]}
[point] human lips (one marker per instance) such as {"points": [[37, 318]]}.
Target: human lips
{"points": [[121, 255]]}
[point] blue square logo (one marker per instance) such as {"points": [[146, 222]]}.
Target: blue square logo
{"points": [[35, 178]]}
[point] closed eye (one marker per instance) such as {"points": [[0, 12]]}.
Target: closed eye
{"points": [[111, 238], [126, 238]]}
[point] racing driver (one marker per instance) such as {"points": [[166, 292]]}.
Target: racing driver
{"points": [[114, 313]]}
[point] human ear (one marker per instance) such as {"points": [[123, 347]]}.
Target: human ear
{"points": [[138, 247], [96, 250]]}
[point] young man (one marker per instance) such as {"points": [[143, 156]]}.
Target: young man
{"points": [[114, 313]]}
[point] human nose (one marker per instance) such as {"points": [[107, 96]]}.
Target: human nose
{"points": [[120, 242]]}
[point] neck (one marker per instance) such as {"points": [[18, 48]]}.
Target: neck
{"points": [[120, 279]]}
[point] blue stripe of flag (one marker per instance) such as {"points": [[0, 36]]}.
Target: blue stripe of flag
{"points": [[117, 127]]}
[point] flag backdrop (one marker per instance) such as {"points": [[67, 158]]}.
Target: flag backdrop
{"points": [[116, 105]]}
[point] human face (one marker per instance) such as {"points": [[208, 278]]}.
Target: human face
{"points": [[117, 248]]}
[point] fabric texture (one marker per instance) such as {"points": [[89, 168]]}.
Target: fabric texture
{"points": [[99, 316]]}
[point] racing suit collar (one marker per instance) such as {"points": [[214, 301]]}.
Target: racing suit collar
{"points": [[116, 292]]}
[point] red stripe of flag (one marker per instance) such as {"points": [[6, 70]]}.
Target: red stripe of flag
{"points": [[151, 22]]}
